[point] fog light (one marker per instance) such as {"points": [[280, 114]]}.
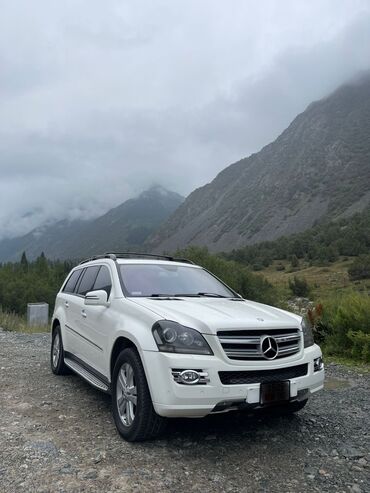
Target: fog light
{"points": [[318, 364], [189, 377]]}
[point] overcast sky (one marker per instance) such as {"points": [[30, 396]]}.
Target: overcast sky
{"points": [[100, 100]]}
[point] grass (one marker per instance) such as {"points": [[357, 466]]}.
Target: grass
{"points": [[324, 281], [349, 362], [17, 323]]}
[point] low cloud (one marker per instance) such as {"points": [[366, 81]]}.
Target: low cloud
{"points": [[99, 102]]}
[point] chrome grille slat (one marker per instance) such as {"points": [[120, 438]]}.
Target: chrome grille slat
{"points": [[247, 346], [289, 349], [242, 340]]}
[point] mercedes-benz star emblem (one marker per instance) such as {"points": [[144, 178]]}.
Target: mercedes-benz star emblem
{"points": [[269, 347]]}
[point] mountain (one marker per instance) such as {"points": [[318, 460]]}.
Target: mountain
{"points": [[122, 228], [317, 169]]}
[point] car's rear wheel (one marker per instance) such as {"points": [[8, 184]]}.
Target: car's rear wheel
{"points": [[133, 410], [57, 353]]}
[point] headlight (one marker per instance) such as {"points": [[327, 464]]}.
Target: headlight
{"points": [[307, 333], [172, 337]]}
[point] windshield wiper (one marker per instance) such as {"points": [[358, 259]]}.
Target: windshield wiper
{"points": [[198, 295], [188, 295], [212, 295], [160, 295]]}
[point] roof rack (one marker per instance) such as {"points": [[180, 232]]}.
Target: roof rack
{"points": [[115, 255], [96, 257]]}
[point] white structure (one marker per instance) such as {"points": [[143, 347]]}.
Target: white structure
{"points": [[37, 314]]}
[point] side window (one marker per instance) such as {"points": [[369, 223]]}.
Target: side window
{"points": [[103, 281], [87, 280], [72, 281]]}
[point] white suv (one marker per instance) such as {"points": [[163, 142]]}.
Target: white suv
{"points": [[168, 339]]}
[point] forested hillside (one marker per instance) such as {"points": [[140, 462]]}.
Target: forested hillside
{"points": [[322, 244], [30, 282]]}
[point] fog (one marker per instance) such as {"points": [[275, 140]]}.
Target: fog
{"points": [[100, 100]]}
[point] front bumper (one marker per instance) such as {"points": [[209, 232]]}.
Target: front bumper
{"points": [[172, 399]]}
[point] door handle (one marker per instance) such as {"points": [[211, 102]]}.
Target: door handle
{"points": [[66, 304], [83, 313]]}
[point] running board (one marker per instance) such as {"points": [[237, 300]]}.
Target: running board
{"points": [[86, 375]]}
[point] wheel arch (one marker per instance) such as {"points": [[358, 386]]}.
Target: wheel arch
{"points": [[119, 344], [55, 324]]}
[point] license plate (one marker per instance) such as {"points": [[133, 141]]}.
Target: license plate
{"points": [[273, 392]]}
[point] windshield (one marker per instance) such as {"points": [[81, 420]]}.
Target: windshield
{"points": [[170, 280]]}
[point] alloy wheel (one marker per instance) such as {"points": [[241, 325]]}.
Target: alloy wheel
{"points": [[126, 394], [56, 349]]}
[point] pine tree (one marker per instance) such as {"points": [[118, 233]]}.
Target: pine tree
{"points": [[24, 262]]}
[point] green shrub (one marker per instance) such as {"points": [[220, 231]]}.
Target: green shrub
{"points": [[299, 287], [346, 323], [360, 345], [360, 268], [294, 261]]}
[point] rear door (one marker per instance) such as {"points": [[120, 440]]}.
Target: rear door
{"points": [[82, 339], [70, 304]]}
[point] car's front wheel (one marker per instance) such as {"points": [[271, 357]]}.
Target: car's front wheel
{"points": [[57, 353], [133, 410]]}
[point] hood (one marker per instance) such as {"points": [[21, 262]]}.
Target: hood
{"points": [[208, 315]]}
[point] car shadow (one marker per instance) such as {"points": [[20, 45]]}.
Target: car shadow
{"points": [[246, 425]]}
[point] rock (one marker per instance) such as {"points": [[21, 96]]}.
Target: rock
{"points": [[90, 474], [99, 457], [67, 469], [43, 449], [351, 453]]}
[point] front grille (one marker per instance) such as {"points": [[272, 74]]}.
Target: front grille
{"points": [[246, 344], [261, 376]]}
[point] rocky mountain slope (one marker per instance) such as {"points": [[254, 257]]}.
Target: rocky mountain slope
{"points": [[318, 168], [124, 227]]}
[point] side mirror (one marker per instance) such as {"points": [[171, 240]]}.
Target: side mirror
{"points": [[97, 298]]}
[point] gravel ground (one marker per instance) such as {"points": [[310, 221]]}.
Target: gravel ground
{"points": [[57, 435]]}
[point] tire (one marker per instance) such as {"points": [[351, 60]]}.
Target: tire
{"points": [[57, 353], [133, 410]]}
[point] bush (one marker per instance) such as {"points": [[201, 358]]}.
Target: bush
{"points": [[299, 287], [361, 345], [294, 261], [345, 321], [360, 268]]}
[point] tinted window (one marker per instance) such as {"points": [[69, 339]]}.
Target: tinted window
{"points": [[72, 281], [103, 280], [149, 279], [87, 280]]}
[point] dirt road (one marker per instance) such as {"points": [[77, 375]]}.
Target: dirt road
{"points": [[57, 435]]}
